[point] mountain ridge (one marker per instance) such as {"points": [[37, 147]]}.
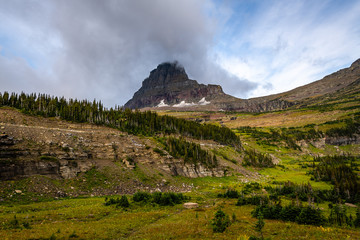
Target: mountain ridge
{"points": [[169, 87]]}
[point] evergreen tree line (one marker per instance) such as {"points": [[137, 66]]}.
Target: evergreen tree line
{"points": [[257, 159], [134, 122], [340, 171], [162, 199], [302, 192], [191, 152], [305, 192], [304, 133], [308, 215], [352, 126], [287, 135], [270, 204], [252, 200], [303, 215]]}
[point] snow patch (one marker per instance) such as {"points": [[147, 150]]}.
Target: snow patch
{"points": [[162, 104], [203, 101], [184, 104]]}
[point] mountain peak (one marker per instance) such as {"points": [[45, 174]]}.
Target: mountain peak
{"points": [[170, 85], [166, 73], [169, 67]]}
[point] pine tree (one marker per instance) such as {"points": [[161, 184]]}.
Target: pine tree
{"points": [[124, 202], [220, 221], [259, 225]]}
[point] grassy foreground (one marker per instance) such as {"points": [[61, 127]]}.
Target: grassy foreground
{"points": [[89, 218]]}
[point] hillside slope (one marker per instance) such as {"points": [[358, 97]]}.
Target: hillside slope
{"points": [[64, 151], [330, 84]]}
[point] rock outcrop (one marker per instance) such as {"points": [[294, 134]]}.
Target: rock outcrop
{"points": [[61, 150], [343, 140], [14, 169]]}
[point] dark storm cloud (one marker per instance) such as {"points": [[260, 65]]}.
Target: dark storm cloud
{"points": [[104, 49]]}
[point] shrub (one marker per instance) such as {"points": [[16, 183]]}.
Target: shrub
{"points": [[310, 216], [357, 220], [142, 197], [290, 213], [73, 235], [124, 202], [48, 158], [119, 202], [338, 215], [220, 221], [168, 198], [259, 225], [16, 224], [230, 193], [253, 200], [250, 187], [159, 151]]}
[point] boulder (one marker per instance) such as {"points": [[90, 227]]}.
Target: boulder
{"points": [[190, 205]]}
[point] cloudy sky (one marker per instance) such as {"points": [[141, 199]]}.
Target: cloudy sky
{"points": [[105, 49]]}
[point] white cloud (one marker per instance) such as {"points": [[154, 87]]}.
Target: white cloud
{"points": [[104, 49], [290, 44]]}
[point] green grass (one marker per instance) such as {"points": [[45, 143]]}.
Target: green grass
{"points": [[89, 219]]}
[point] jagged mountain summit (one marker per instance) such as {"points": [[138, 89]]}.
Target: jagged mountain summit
{"points": [[168, 87]]}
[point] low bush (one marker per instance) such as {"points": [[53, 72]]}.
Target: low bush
{"points": [[252, 200], [230, 193], [119, 202], [168, 198], [220, 221], [142, 197]]}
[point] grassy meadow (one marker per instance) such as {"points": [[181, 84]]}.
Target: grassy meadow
{"points": [[275, 134], [89, 218]]}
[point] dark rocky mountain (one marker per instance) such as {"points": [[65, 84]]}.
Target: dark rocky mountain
{"points": [[169, 84], [169, 87]]}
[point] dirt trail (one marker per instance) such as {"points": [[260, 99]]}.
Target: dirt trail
{"points": [[46, 128]]}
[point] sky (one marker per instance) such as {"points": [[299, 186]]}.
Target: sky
{"points": [[91, 49]]}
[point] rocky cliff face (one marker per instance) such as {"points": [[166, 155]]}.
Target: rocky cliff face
{"points": [[169, 84], [49, 147]]}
